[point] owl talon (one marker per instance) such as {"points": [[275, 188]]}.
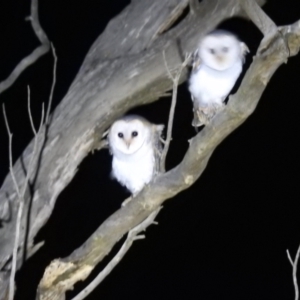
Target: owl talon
{"points": [[203, 115]]}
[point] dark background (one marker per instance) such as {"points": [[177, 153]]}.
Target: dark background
{"points": [[224, 238]]}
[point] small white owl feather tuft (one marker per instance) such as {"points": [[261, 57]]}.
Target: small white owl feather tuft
{"points": [[135, 145], [217, 65]]}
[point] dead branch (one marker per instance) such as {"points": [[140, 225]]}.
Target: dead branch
{"points": [[35, 55], [34, 156], [47, 120], [294, 265], [21, 193], [20, 211], [175, 80]]}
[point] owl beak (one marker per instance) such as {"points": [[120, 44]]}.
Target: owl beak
{"points": [[128, 143], [220, 58]]}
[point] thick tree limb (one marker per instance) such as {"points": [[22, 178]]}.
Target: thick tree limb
{"points": [[131, 237], [263, 22], [35, 55], [123, 69], [80, 263]]}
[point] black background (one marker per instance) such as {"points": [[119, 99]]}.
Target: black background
{"points": [[224, 238]]}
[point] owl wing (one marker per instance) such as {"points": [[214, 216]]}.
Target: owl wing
{"points": [[157, 146], [244, 51], [203, 114], [196, 61]]}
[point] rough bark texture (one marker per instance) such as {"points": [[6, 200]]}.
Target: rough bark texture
{"points": [[123, 69]]}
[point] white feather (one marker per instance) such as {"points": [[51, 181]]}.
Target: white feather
{"points": [[208, 85], [219, 63], [134, 170], [134, 162]]}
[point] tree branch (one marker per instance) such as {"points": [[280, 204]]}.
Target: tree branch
{"points": [[20, 193], [175, 80], [132, 236], [20, 211], [240, 106], [294, 265], [263, 22], [35, 55], [30, 169], [47, 120]]}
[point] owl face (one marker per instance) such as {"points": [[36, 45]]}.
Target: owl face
{"points": [[128, 135], [220, 50]]}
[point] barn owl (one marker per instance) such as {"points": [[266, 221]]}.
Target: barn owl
{"points": [[217, 65], [134, 144]]}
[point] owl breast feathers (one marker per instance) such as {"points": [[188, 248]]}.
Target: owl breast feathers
{"points": [[135, 144], [217, 65]]}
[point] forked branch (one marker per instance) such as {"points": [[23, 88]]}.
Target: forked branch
{"points": [[30, 168], [20, 193], [35, 55], [294, 266]]}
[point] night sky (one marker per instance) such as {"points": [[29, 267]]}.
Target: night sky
{"points": [[225, 237]]}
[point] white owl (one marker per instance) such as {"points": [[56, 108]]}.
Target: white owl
{"points": [[135, 145], [218, 63]]}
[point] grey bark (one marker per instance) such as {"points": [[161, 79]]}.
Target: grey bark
{"points": [[123, 69]]}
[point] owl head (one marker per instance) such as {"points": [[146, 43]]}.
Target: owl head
{"points": [[128, 134], [220, 49]]}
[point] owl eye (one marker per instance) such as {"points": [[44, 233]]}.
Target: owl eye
{"points": [[225, 49], [212, 51], [134, 133], [120, 135]]}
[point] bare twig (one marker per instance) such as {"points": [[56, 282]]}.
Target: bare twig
{"points": [[34, 152], [15, 252], [131, 237], [20, 210], [35, 55], [175, 80], [10, 152], [22, 193], [289, 257], [29, 111], [53, 84], [264, 23], [167, 67], [294, 265]]}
